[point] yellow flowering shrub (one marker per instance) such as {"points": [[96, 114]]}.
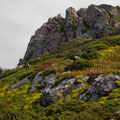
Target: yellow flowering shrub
{"points": [[2, 94], [80, 76], [118, 83], [112, 53], [5, 88], [60, 95], [80, 81], [33, 97]]}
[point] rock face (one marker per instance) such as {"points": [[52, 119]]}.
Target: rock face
{"points": [[92, 22], [102, 86], [98, 86]]}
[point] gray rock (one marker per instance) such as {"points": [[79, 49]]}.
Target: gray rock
{"points": [[20, 83], [92, 22], [53, 92], [48, 81], [102, 86], [37, 79]]}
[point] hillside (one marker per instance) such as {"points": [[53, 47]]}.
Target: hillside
{"points": [[79, 80]]}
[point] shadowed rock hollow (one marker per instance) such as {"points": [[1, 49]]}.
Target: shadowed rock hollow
{"points": [[92, 22]]}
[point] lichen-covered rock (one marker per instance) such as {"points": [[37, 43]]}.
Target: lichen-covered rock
{"points": [[101, 86], [88, 88], [61, 90], [37, 79], [20, 83]]}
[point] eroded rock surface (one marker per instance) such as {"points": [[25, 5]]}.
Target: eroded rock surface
{"points": [[92, 22], [102, 86], [98, 86]]}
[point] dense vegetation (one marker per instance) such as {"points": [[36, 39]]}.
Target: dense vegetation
{"points": [[99, 56]]}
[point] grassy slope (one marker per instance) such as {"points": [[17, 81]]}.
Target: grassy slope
{"points": [[104, 53]]}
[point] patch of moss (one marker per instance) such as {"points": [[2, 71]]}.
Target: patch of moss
{"points": [[74, 22], [60, 28]]}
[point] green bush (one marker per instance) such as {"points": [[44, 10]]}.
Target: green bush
{"points": [[35, 61], [10, 72], [113, 41], [96, 47], [47, 72], [71, 56], [79, 65], [60, 55], [90, 56]]}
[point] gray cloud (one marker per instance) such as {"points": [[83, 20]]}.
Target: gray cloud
{"points": [[20, 18]]}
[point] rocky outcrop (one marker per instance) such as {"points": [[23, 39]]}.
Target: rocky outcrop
{"points": [[92, 22], [102, 86], [98, 86]]}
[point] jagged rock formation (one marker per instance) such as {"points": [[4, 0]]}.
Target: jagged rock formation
{"points": [[92, 22]]}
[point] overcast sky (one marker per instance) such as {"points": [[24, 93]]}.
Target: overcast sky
{"points": [[20, 18]]}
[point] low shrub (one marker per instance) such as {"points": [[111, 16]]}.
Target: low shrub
{"points": [[47, 72], [113, 41], [35, 61], [90, 56], [71, 56], [10, 72], [79, 65], [96, 47]]}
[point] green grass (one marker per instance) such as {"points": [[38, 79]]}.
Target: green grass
{"points": [[20, 104]]}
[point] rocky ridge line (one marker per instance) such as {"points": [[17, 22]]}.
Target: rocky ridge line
{"points": [[92, 22]]}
